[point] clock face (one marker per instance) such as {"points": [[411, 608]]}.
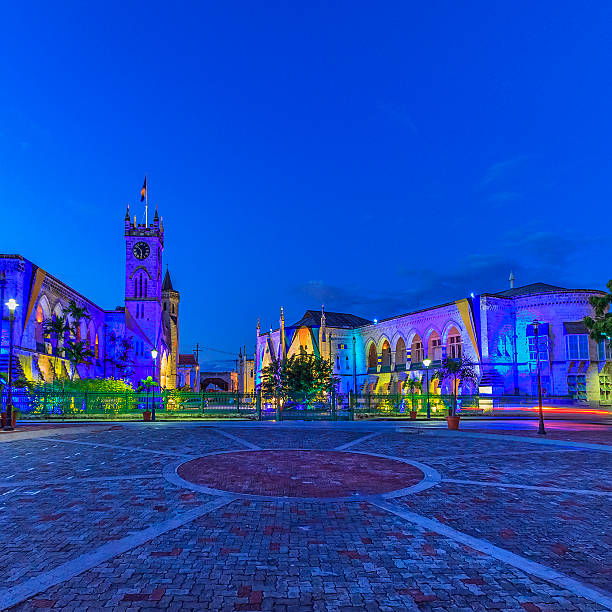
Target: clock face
{"points": [[141, 250]]}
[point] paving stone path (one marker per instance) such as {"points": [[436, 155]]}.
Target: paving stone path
{"points": [[342, 517]]}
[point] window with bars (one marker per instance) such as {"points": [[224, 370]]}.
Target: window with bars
{"points": [[577, 346], [576, 386], [543, 347]]}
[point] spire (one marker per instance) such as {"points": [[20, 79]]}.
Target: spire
{"points": [[161, 224], [167, 284], [258, 326], [127, 213], [322, 315], [135, 226], [156, 218], [282, 331], [511, 279]]}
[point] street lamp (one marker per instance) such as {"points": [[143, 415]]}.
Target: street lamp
{"points": [[8, 424], [427, 363], [536, 325], [154, 355]]}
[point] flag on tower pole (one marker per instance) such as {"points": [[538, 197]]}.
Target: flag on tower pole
{"points": [[144, 196], [143, 191]]}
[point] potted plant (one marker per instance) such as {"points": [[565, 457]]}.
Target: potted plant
{"points": [[146, 384], [413, 385], [458, 371]]}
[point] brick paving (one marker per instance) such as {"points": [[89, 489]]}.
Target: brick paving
{"points": [[63, 499]]}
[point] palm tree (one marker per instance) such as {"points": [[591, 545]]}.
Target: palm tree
{"points": [[77, 353], [457, 370], [77, 314], [413, 385], [55, 326]]}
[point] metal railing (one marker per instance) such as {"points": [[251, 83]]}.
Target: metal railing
{"points": [[174, 404]]}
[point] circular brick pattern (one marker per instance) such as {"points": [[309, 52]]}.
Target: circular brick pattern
{"points": [[300, 473]]}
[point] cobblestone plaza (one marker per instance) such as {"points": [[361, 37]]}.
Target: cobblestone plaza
{"points": [[355, 516]]}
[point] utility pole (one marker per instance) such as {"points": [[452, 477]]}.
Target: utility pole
{"points": [[196, 353]]}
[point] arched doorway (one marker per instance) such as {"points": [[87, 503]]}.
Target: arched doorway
{"points": [[385, 360], [372, 358], [400, 354], [416, 350]]}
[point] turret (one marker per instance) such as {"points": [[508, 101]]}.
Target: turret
{"points": [[322, 333]]}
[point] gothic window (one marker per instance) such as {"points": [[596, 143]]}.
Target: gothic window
{"points": [[172, 308], [435, 347], [416, 350], [454, 347], [146, 283], [140, 276], [165, 306], [135, 287], [97, 349]]}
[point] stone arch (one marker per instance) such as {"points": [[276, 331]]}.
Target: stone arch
{"points": [[430, 330], [141, 269], [447, 327], [381, 342], [163, 370]]}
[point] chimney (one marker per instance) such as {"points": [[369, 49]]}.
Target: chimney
{"points": [[511, 279]]}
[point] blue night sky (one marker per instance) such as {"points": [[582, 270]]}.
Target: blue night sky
{"points": [[376, 161]]}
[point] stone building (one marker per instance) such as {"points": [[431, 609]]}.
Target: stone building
{"points": [[494, 330], [148, 319]]}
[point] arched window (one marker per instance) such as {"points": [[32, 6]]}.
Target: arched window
{"points": [[434, 347], [416, 350], [165, 304], [454, 347], [146, 285], [140, 277], [38, 328], [172, 308], [135, 287], [97, 349], [400, 353], [386, 355], [372, 357]]}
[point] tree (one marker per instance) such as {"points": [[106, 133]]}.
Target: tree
{"points": [[412, 385], [55, 326], [600, 327], [77, 353], [301, 378], [77, 314], [458, 370]]}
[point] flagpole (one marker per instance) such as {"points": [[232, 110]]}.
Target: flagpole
{"points": [[146, 202]]}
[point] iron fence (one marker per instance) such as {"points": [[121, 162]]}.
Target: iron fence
{"points": [[174, 404]]}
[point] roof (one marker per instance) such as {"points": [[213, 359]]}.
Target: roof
{"points": [[167, 284], [341, 320], [575, 327], [187, 359], [532, 289]]}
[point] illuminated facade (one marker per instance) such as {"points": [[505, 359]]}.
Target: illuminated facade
{"points": [[494, 330], [148, 319]]}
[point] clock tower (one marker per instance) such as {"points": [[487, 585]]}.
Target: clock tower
{"points": [[144, 245]]}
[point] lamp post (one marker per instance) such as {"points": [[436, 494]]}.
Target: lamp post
{"points": [[8, 424], [154, 355], [427, 363], [541, 430]]}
